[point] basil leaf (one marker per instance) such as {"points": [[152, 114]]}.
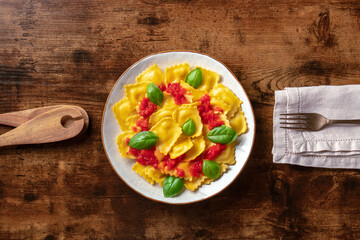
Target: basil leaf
{"points": [[189, 127], [143, 140], [172, 186], [155, 95], [211, 169], [222, 134], [195, 78]]}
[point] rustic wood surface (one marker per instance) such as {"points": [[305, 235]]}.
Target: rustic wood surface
{"points": [[72, 52]]}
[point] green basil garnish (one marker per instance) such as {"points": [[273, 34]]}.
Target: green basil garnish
{"points": [[211, 169], [189, 127], [195, 78], [154, 93], [143, 140], [172, 186], [222, 134]]}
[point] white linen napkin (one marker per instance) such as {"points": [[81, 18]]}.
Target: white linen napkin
{"points": [[335, 146]]}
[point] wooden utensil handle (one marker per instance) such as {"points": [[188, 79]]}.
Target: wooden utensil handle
{"points": [[11, 119], [17, 118], [52, 126]]}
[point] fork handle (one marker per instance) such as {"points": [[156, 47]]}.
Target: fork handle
{"points": [[351, 121]]}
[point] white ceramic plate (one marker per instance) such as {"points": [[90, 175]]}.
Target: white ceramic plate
{"points": [[111, 129]]}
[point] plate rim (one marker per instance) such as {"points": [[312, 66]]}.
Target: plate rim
{"points": [[103, 116]]}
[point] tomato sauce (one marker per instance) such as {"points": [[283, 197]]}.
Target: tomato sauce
{"points": [[207, 113], [133, 151], [146, 107], [218, 109], [162, 87], [180, 172], [171, 163], [145, 156], [143, 123], [177, 92], [212, 152], [196, 167]]}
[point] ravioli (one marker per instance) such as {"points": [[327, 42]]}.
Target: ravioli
{"points": [[210, 79], [169, 101], [195, 93], [177, 73], [140, 169], [215, 102], [136, 92], [160, 114], [195, 183], [152, 74], [184, 113], [168, 132], [208, 143], [238, 123], [174, 172], [198, 146], [182, 145], [228, 155], [131, 121], [223, 93], [123, 146], [225, 119], [122, 111], [150, 174]]}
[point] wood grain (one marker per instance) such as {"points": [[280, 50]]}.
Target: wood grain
{"points": [[72, 52], [55, 125]]}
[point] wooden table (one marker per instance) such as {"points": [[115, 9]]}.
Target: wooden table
{"points": [[72, 52]]}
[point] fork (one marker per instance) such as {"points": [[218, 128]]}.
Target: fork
{"points": [[310, 121]]}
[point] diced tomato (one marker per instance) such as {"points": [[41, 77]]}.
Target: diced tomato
{"points": [[147, 157], [177, 92], [218, 109], [171, 163], [146, 107], [180, 172], [134, 151], [205, 104], [207, 113], [212, 119], [196, 167], [180, 99], [143, 123], [162, 87], [212, 152]]}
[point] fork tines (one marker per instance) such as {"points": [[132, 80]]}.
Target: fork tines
{"points": [[297, 121]]}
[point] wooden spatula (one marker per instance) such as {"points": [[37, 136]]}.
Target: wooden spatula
{"points": [[51, 126]]}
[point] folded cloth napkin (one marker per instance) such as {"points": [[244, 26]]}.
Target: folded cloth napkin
{"points": [[335, 146]]}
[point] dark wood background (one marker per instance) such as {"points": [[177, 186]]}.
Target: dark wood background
{"points": [[72, 52]]}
